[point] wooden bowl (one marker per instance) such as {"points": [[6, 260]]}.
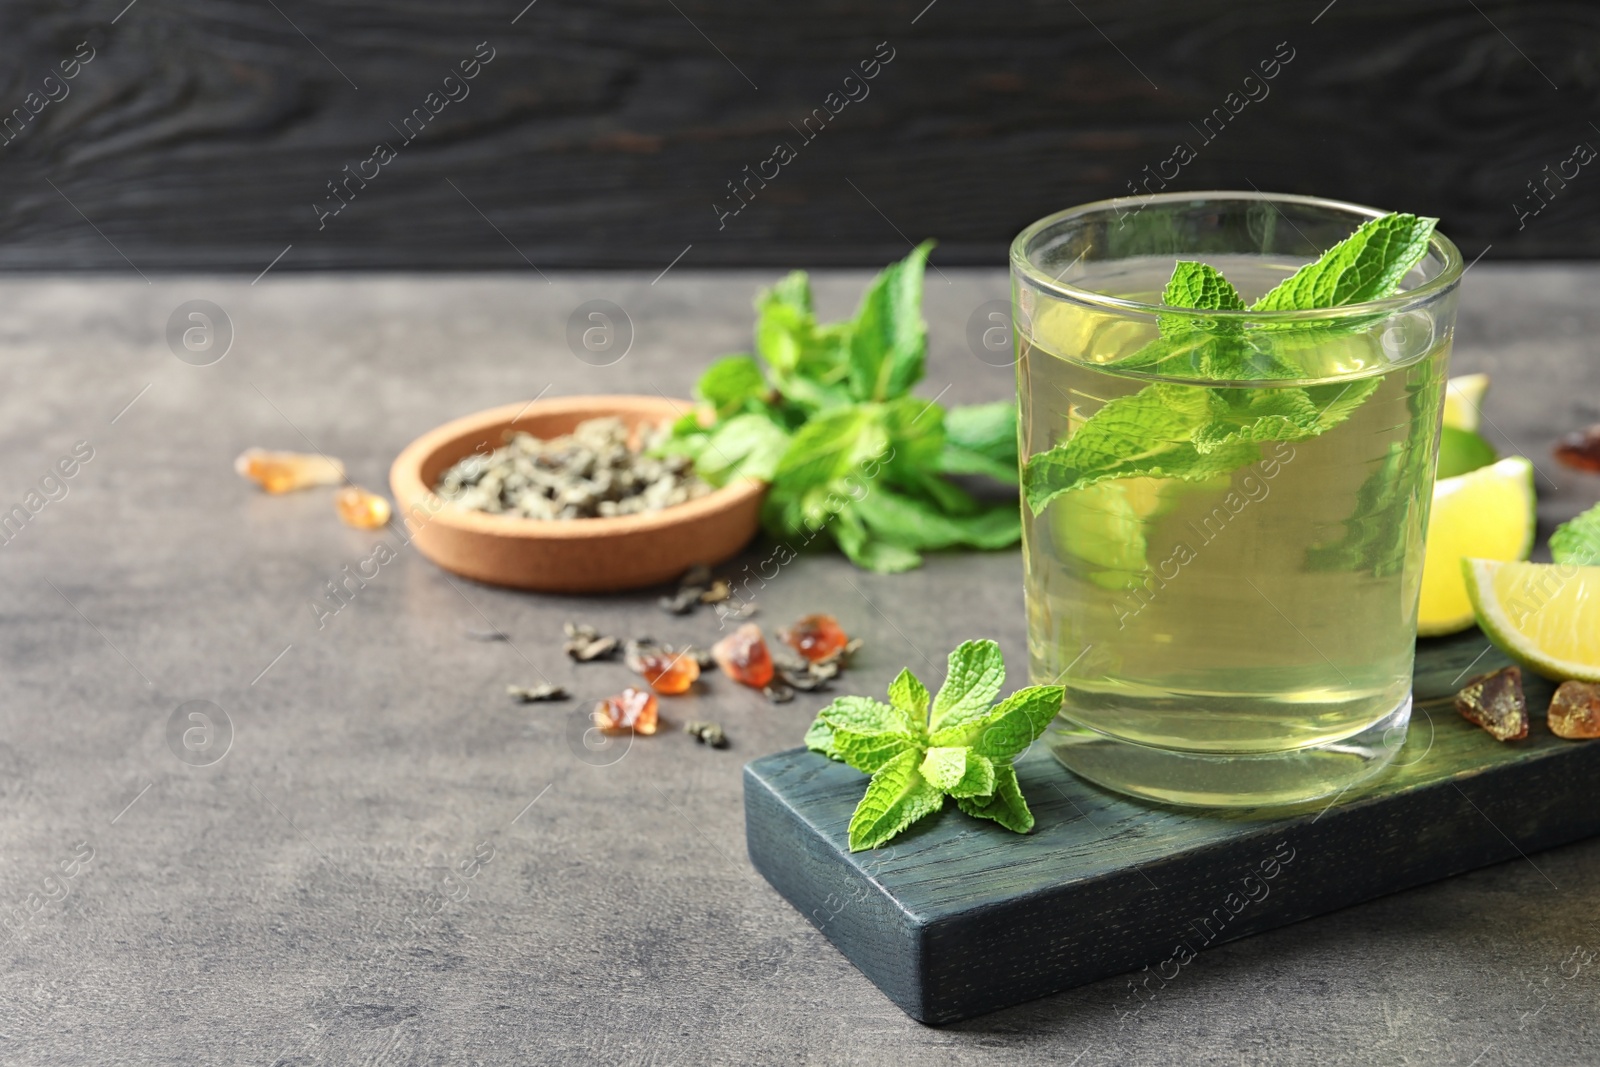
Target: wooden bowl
{"points": [[564, 556]]}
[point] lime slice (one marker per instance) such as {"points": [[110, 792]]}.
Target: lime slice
{"points": [[1462, 399], [1544, 615], [1487, 514], [1462, 451]]}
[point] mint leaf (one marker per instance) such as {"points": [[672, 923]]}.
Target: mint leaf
{"points": [[867, 716], [908, 693], [1005, 805], [916, 525], [960, 772], [745, 446], [861, 719], [976, 671], [981, 439], [1292, 414], [833, 445], [732, 382], [1148, 434], [869, 752], [896, 797], [1008, 728], [1200, 285], [888, 340], [1577, 541], [1368, 265]]}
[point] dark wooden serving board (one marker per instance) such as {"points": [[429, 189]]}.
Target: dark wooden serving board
{"points": [[957, 917]]}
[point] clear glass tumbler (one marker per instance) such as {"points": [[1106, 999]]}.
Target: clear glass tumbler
{"points": [[1224, 511]]}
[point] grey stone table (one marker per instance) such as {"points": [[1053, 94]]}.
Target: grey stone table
{"points": [[391, 863]]}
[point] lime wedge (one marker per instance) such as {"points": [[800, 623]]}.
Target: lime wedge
{"points": [[1544, 615], [1486, 514], [1462, 398], [1462, 451]]}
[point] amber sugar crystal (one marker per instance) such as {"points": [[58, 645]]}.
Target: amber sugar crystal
{"points": [[669, 673], [632, 709], [1581, 450], [284, 472], [816, 637], [1496, 703], [743, 656], [1575, 710], [361, 509]]}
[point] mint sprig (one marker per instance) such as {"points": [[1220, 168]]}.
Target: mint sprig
{"points": [[919, 750], [1192, 434], [824, 412]]}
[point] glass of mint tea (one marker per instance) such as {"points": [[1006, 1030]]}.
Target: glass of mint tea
{"points": [[1228, 458]]}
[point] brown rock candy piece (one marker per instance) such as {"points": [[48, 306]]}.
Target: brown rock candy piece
{"points": [[283, 472], [1496, 703], [361, 509], [744, 657], [632, 709], [1581, 450], [1575, 710]]}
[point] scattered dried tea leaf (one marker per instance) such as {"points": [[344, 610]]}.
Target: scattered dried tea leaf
{"points": [[1496, 703], [283, 472], [584, 643], [1581, 450], [744, 657], [529, 694], [811, 677], [843, 656], [737, 612], [707, 733], [816, 637], [778, 691], [719, 591], [632, 709], [667, 671], [702, 656], [589, 473], [694, 584], [361, 509], [1575, 710]]}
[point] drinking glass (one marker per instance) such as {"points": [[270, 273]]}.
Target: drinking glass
{"points": [[1223, 511]]}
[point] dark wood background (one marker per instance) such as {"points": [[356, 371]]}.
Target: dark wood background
{"points": [[604, 131]]}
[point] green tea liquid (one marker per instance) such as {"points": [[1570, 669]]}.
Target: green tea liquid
{"points": [[1266, 609]]}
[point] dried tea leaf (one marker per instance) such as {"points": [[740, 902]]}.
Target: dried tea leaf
{"points": [[843, 656], [1496, 703], [590, 473], [778, 691], [529, 694], [707, 733], [585, 644], [1575, 710], [719, 591]]}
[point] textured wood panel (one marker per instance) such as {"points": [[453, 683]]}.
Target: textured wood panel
{"points": [[203, 134]]}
